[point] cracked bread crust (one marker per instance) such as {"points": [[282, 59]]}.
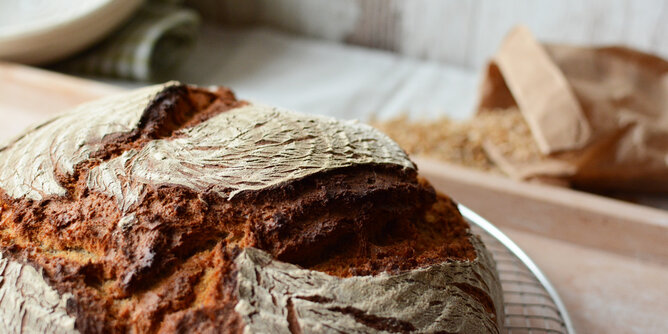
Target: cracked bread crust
{"points": [[137, 209]]}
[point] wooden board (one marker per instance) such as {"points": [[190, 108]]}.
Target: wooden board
{"points": [[29, 95], [605, 257], [574, 216]]}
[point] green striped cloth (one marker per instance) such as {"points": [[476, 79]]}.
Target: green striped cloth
{"points": [[146, 48]]}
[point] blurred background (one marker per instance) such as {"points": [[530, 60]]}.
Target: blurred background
{"points": [[347, 58], [572, 93], [550, 118]]}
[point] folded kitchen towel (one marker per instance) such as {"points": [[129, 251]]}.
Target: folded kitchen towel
{"points": [[154, 41]]}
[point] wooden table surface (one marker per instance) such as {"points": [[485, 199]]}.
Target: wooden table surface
{"points": [[606, 286]]}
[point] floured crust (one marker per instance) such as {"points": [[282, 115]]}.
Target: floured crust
{"points": [[156, 211], [28, 304], [231, 152], [26, 170], [275, 296]]}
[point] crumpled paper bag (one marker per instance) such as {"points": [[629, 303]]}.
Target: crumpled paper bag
{"points": [[598, 116]]}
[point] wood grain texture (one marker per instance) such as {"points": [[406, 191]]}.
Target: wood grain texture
{"points": [[464, 33], [57, 93], [554, 212], [601, 289]]}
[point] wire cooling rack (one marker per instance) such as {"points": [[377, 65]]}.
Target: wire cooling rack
{"points": [[531, 303]]}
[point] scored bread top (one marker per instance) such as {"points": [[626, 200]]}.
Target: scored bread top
{"points": [[229, 152], [245, 149], [180, 209]]}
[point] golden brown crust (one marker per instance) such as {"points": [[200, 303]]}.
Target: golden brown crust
{"points": [[164, 261]]}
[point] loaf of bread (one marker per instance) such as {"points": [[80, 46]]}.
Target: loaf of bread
{"points": [[177, 209]]}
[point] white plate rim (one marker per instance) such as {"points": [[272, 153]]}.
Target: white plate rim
{"points": [[35, 43]]}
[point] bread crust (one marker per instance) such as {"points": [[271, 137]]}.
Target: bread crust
{"points": [[145, 212]]}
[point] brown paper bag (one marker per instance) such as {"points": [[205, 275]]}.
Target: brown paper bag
{"points": [[599, 116]]}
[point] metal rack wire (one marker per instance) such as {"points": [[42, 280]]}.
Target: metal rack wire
{"points": [[531, 303]]}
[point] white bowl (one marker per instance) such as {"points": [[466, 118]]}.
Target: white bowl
{"points": [[41, 31]]}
